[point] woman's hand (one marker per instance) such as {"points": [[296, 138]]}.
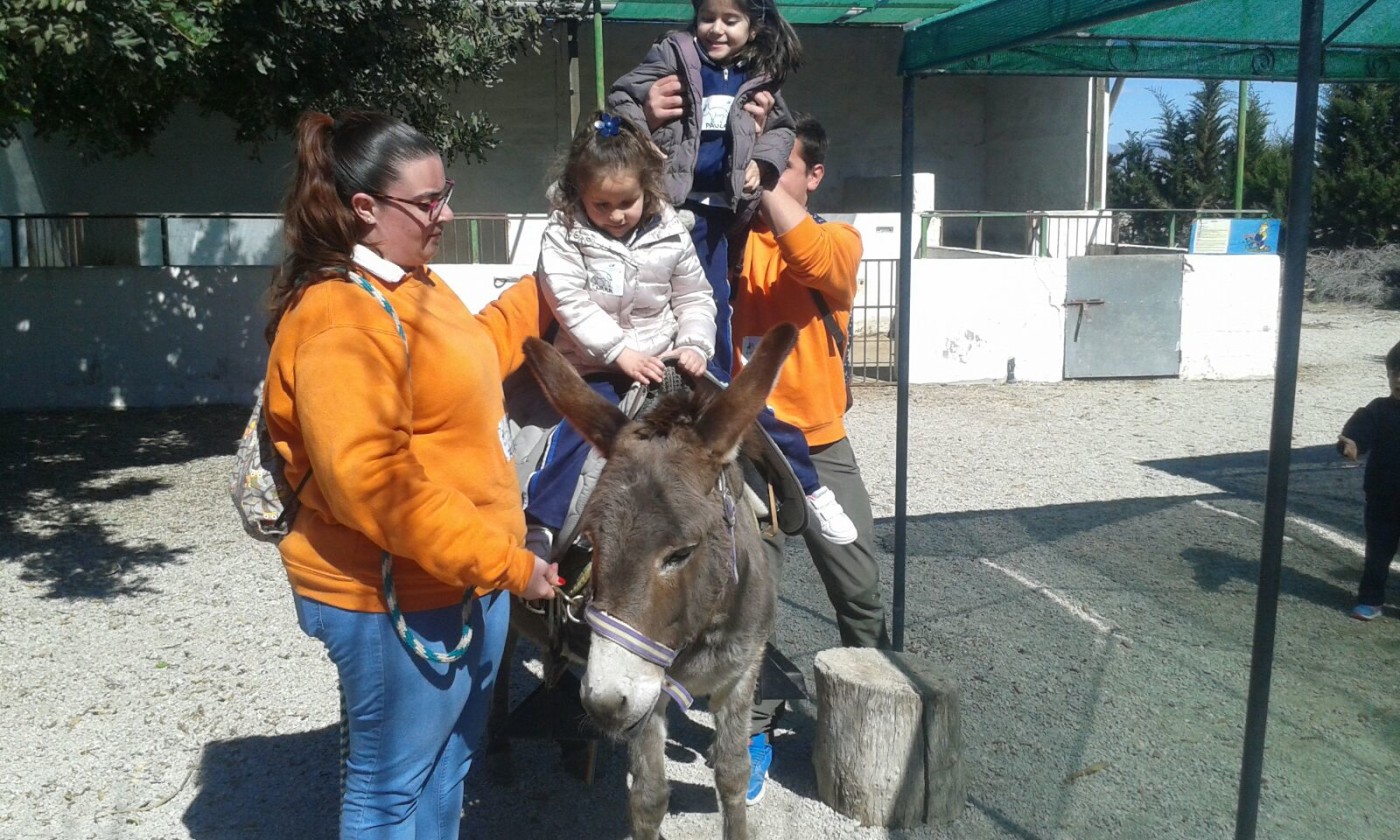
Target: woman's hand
{"points": [[751, 179], [542, 581], [1346, 447], [641, 367], [690, 360]]}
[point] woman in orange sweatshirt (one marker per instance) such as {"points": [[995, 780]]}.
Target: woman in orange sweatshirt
{"points": [[399, 435]]}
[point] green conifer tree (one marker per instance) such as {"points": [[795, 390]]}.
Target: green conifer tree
{"points": [[1357, 187]]}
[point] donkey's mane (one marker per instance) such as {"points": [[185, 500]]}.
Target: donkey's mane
{"points": [[671, 413]]}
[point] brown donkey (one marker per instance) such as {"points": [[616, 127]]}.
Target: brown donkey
{"points": [[682, 600]]}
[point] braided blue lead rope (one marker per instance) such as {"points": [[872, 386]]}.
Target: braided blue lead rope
{"points": [[386, 561], [406, 634], [384, 302]]}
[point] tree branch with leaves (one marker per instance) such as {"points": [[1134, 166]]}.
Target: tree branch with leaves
{"points": [[108, 75]]}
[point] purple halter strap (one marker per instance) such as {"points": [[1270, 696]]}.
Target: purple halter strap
{"points": [[637, 643], [633, 641]]}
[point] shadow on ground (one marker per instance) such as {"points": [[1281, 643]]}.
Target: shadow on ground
{"points": [[57, 467], [1178, 575], [279, 786], [1322, 486]]}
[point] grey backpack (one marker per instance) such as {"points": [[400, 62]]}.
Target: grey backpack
{"points": [[265, 501]]}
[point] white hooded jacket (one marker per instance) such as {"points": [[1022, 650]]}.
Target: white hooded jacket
{"points": [[649, 294]]}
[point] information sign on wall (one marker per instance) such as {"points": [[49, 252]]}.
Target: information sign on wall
{"points": [[1235, 236]]}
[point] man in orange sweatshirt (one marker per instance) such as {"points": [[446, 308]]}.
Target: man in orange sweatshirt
{"points": [[800, 269]]}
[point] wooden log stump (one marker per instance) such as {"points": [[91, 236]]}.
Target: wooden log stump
{"points": [[889, 739]]}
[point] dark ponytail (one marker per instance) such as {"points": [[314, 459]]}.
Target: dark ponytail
{"points": [[361, 151]]}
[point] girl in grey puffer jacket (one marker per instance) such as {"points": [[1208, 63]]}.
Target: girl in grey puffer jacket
{"points": [[619, 271], [717, 159]]}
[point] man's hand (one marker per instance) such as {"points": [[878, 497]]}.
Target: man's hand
{"points": [[1346, 447], [665, 102], [641, 367], [759, 106]]}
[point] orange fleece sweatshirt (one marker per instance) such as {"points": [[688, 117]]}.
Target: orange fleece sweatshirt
{"points": [[779, 274], [408, 457]]}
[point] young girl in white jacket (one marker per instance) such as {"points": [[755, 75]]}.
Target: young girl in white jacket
{"points": [[620, 272]]}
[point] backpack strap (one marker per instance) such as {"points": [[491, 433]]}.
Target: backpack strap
{"points": [[833, 329], [839, 338]]}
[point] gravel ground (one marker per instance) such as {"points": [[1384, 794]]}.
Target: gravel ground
{"points": [[1081, 560]]}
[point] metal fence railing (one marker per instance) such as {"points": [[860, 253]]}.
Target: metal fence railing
{"points": [[1065, 233], [52, 240], [873, 318]]}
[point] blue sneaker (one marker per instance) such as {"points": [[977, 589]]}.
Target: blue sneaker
{"points": [[1361, 612], [760, 757]]}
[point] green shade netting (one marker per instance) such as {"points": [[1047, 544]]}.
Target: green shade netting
{"points": [[808, 12], [1224, 39]]}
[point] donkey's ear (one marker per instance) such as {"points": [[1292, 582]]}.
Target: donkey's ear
{"points": [[725, 420], [596, 419]]}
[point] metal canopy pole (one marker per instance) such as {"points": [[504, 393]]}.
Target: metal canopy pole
{"points": [[901, 439], [571, 30], [1295, 253], [1241, 121], [598, 86]]}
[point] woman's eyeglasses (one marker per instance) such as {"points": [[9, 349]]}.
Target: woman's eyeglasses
{"points": [[432, 207]]}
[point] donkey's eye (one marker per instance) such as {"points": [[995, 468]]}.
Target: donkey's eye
{"points": [[678, 557]]}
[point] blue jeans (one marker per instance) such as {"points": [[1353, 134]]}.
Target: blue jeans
{"points": [[415, 726], [550, 489], [710, 236]]}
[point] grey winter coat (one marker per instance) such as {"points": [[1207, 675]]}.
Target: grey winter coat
{"points": [[677, 54], [651, 295]]}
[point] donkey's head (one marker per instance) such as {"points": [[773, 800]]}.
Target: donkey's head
{"points": [[661, 521]]}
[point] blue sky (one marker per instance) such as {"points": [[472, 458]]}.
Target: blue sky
{"points": [[1137, 107]]}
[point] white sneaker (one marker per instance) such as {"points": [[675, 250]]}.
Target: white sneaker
{"points": [[832, 521], [539, 540]]}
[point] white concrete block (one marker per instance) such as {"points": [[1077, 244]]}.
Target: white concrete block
{"points": [[1229, 316]]}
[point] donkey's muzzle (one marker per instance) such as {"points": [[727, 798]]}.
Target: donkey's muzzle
{"points": [[619, 688]]}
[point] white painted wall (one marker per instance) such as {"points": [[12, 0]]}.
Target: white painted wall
{"points": [[91, 337], [971, 320], [1229, 316], [116, 337]]}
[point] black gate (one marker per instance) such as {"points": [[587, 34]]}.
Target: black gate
{"points": [[873, 319]]}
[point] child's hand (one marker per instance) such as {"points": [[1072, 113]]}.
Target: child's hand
{"points": [[690, 360], [1347, 447], [751, 179], [641, 367]]}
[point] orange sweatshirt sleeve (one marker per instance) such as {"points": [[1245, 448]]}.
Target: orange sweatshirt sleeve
{"points": [[513, 317], [825, 257], [353, 404]]}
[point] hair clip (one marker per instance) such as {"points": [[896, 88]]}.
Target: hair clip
{"points": [[607, 125]]}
